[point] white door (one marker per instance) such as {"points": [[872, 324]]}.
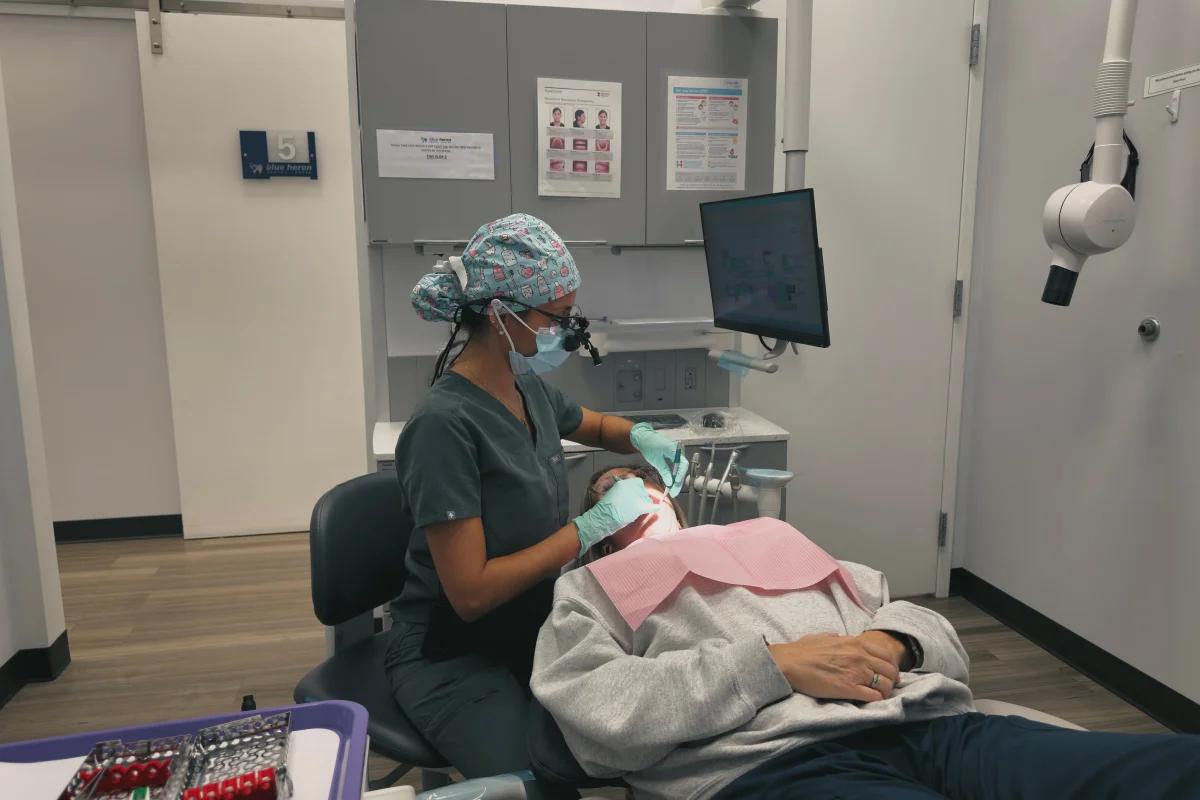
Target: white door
{"points": [[260, 293], [868, 415]]}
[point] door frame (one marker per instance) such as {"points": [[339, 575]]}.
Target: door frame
{"points": [[958, 349]]}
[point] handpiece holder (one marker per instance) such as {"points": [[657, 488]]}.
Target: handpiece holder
{"points": [[768, 485]]}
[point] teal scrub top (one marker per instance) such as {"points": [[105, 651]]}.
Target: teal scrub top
{"points": [[463, 454]]}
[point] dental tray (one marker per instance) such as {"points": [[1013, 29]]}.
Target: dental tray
{"points": [[658, 421], [326, 755]]}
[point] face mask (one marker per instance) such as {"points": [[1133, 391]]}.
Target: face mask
{"points": [[550, 351]]}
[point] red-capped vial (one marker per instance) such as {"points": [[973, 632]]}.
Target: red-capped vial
{"points": [[192, 794], [266, 783], [114, 777]]}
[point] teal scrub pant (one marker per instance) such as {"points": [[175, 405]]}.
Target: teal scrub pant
{"points": [[474, 709]]}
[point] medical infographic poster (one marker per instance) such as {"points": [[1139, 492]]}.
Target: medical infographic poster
{"points": [[579, 138], [447, 155], [706, 133]]}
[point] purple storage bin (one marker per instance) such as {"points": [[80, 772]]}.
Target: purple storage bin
{"points": [[347, 720]]}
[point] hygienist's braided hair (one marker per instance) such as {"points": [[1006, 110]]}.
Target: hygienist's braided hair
{"points": [[474, 322]]}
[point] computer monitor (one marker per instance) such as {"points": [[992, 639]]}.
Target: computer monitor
{"points": [[764, 266]]}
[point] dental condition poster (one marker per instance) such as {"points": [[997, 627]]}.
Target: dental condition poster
{"points": [[579, 138], [706, 133]]}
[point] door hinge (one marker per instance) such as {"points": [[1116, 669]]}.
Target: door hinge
{"points": [[154, 13], [958, 298], [943, 525], [973, 56]]}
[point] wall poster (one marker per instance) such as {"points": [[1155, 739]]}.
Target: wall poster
{"points": [[579, 138], [706, 133]]}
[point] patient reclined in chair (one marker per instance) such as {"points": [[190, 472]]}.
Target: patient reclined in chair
{"points": [[731, 662], [744, 662]]}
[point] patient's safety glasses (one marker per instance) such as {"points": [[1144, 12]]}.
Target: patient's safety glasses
{"points": [[649, 476]]}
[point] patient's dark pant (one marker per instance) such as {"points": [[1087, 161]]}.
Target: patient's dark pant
{"points": [[978, 757]]}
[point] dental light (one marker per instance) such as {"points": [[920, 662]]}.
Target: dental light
{"points": [[1095, 216]]}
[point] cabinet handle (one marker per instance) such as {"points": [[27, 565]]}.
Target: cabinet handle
{"points": [[693, 242], [586, 242], [578, 457], [421, 244]]}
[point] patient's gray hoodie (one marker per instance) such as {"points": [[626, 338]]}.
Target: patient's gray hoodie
{"points": [[693, 699]]}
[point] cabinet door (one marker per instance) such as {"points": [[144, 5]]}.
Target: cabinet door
{"points": [[432, 66], [579, 470], [689, 45], [581, 45]]}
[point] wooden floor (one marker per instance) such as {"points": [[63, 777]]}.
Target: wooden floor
{"points": [[167, 628]]}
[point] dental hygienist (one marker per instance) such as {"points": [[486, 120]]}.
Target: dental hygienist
{"points": [[485, 483]]}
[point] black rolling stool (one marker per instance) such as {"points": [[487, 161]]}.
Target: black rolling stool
{"points": [[358, 539]]}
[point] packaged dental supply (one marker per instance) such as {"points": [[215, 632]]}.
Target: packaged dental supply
{"points": [[147, 769], [241, 760]]}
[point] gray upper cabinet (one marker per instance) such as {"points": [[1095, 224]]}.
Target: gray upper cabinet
{"points": [[709, 47], [432, 66], [582, 45]]}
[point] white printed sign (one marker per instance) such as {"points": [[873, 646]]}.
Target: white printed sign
{"points": [[578, 138], [1180, 78], [706, 133], [436, 154]]}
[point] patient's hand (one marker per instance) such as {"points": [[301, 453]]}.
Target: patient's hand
{"points": [[897, 650], [832, 667]]}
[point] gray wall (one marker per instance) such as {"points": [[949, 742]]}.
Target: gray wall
{"points": [[1081, 450], [14, 487], [87, 233], [31, 609]]}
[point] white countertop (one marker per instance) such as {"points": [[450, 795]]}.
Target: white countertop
{"points": [[748, 427]]}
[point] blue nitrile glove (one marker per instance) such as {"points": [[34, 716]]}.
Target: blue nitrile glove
{"points": [[664, 454], [622, 504]]}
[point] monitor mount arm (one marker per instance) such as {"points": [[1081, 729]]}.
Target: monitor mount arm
{"points": [[797, 50]]}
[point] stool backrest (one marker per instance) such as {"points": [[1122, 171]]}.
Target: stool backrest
{"points": [[358, 539]]}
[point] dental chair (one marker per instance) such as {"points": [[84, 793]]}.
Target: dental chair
{"points": [[358, 541], [553, 762]]}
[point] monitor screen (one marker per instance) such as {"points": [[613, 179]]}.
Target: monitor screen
{"points": [[764, 266]]}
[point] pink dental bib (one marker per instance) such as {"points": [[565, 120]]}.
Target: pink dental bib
{"points": [[761, 553]]}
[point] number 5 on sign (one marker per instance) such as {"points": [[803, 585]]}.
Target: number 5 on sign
{"points": [[285, 147]]}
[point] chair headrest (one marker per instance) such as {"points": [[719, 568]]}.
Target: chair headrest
{"points": [[358, 539]]}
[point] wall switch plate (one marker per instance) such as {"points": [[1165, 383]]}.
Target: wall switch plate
{"points": [[630, 384], [660, 379]]}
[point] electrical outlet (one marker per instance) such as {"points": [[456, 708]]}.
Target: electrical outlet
{"points": [[690, 378]]}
